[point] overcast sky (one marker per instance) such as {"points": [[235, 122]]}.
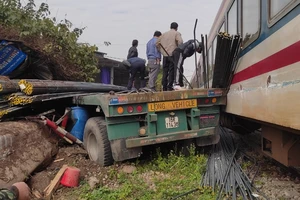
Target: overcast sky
{"points": [[121, 21]]}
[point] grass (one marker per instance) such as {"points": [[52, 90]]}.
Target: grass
{"points": [[161, 178]]}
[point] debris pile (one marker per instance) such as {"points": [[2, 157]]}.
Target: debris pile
{"points": [[224, 175]]}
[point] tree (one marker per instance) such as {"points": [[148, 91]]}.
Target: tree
{"points": [[52, 40]]}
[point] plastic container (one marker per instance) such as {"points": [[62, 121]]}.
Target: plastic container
{"points": [[71, 177], [79, 116]]}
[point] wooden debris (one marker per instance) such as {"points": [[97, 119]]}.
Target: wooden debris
{"points": [[37, 194], [57, 160], [54, 183]]}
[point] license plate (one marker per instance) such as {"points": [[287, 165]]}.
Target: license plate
{"points": [[172, 105], [172, 122]]}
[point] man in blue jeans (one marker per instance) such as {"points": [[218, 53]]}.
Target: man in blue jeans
{"points": [[135, 65], [154, 58]]}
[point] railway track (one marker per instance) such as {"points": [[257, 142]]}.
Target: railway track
{"points": [[272, 178]]}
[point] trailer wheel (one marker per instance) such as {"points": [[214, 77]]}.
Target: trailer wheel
{"points": [[96, 141]]}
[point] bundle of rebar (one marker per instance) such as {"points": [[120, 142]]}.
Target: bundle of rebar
{"points": [[33, 87], [227, 51], [16, 95], [8, 86], [22, 99], [224, 175]]}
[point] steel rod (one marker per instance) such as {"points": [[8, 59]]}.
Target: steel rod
{"points": [[32, 87]]}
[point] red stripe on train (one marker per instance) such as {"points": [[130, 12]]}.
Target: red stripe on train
{"points": [[283, 58]]}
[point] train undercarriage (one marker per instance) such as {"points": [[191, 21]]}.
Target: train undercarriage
{"points": [[280, 143]]}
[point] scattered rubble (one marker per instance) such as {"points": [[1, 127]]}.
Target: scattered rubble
{"points": [[128, 169], [93, 182]]}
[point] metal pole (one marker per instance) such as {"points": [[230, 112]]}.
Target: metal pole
{"points": [[196, 66], [207, 62], [204, 61]]}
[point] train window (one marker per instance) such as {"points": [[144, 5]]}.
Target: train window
{"points": [[232, 19], [277, 5], [250, 20]]}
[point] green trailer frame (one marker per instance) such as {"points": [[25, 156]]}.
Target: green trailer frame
{"points": [[134, 120]]}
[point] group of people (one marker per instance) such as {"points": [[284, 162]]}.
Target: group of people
{"points": [[170, 44]]}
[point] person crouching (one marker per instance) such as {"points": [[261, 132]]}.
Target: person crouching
{"points": [[135, 65], [183, 51]]}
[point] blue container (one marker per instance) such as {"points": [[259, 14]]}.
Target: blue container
{"points": [[79, 116], [10, 58]]}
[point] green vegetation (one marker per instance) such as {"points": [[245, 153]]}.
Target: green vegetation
{"points": [[246, 165], [57, 41], [158, 83], [162, 178]]}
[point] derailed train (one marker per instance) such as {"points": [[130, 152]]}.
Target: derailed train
{"points": [[265, 90]]}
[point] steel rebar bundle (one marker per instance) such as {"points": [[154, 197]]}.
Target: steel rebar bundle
{"points": [[224, 175], [22, 99], [16, 95], [33, 87], [8, 86], [226, 54], [5, 110]]}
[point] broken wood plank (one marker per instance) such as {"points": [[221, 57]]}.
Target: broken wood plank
{"points": [[37, 194], [54, 183], [57, 160]]}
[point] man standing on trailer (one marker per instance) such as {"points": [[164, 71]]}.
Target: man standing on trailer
{"points": [[169, 41], [135, 65], [183, 51], [154, 58]]}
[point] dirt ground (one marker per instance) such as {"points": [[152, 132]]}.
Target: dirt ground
{"points": [[20, 155], [71, 155], [272, 179]]}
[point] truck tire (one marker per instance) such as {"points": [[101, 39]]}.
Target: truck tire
{"points": [[96, 141]]}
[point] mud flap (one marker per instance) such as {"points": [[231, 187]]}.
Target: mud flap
{"points": [[120, 152], [209, 140]]}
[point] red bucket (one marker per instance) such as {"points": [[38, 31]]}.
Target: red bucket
{"points": [[71, 177]]}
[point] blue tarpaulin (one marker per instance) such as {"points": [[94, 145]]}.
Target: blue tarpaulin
{"points": [[10, 58]]}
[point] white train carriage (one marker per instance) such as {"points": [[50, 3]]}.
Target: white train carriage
{"points": [[265, 90]]}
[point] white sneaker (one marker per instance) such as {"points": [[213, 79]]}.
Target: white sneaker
{"points": [[177, 87]]}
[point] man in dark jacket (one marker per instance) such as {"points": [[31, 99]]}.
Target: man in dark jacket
{"points": [[183, 51], [135, 65], [132, 52]]}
